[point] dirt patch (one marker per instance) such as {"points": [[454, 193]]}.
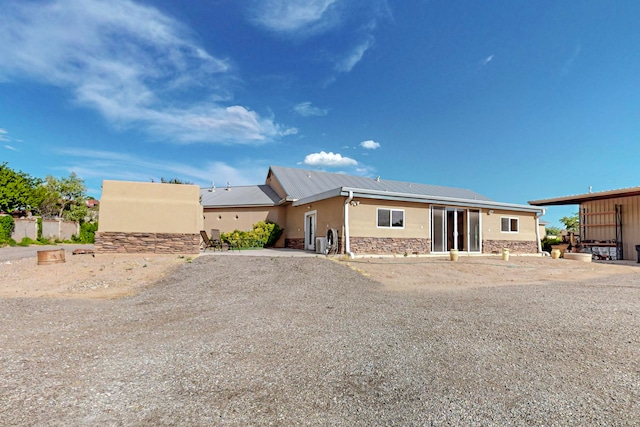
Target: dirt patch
{"points": [[85, 276], [116, 275], [440, 274]]}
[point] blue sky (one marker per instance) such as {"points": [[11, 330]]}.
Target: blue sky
{"points": [[517, 100]]}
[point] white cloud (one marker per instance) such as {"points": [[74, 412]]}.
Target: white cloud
{"points": [[130, 63], [488, 59], [305, 109], [350, 60], [294, 16], [3, 135], [370, 144], [96, 164], [328, 159], [9, 147]]}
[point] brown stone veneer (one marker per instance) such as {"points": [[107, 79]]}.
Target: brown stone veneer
{"points": [[496, 246], [294, 243], [157, 243], [389, 245]]}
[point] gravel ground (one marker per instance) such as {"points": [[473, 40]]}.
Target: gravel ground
{"points": [[306, 341]]}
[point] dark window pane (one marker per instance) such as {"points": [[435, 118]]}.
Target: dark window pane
{"points": [[514, 224], [505, 224], [384, 218], [397, 218]]}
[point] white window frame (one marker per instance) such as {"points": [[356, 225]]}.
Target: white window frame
{"points": [[510, 218], [391, 226]]}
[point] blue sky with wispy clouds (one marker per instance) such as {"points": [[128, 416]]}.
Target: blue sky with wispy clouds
{"points": [[515, 100]]}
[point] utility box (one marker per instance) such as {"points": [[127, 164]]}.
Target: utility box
{"points": [[321, 245]]}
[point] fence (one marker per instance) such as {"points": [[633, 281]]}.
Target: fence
{"points": [[54, 229]]}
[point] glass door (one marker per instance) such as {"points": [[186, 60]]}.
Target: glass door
{"points": [[310, 231], [455, 228], [474, 230], [438, 232]]}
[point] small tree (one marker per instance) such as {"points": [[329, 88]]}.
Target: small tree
{"points": [[571, 223], [553, 231], [62, 193]]}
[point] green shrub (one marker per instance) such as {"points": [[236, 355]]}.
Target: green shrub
{"points": [[25, 242], [87, 233], [6, 227], [263, 234], [269, 232]]}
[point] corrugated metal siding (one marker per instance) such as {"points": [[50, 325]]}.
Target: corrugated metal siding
{"points": [[300, 183], [630, 222]]}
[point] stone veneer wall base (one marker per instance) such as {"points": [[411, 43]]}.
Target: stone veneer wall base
{"points": [[389, 245], [294, 244], [496, 246], [156, 243]]}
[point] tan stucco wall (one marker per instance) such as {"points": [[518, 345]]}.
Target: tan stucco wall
{"points": [[329, 215], [143, 207], [230, 219], [363, 219], [275, 185], [417, 217], [491, 226]]}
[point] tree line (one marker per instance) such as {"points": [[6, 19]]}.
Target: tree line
{"points": [[50, 197]]}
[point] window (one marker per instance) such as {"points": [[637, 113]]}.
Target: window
{"points": [[390, 218], [509, 225]]}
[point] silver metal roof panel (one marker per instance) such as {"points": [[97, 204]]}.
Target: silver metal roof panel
{"points": [[250, 195], [301, 183]]}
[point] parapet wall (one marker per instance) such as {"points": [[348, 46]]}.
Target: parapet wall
{"points": [[143, 217]]}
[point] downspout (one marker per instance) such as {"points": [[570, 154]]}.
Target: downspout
{"points": [[538, 215], [347, 248]]}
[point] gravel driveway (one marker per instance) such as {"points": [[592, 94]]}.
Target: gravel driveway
{"points": [[306, 341]]}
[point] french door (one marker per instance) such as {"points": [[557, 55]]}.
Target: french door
{"points": [[455, 228]]}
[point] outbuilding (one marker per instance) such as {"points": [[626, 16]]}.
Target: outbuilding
{"points": [[609, 221]]}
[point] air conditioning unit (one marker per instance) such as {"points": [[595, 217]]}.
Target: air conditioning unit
{"points": [[321, 245]]}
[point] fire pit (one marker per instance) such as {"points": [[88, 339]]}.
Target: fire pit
{"points": [[53, 256]]}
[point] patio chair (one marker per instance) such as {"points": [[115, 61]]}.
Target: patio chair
{"points": [[217, 240], [214, 242]]}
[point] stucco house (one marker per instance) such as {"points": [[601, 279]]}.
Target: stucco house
{"points": [[373, 215]]}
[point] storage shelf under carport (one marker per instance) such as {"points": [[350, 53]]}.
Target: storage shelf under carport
{"points": [[609, 247]]}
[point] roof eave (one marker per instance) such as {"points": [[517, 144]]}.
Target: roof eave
{"points": [[416, 198], [588, 197]]}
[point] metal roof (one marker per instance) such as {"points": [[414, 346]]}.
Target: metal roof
{"points": [[306, 186], [587, 197], [301, 183], [251, 195]]}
